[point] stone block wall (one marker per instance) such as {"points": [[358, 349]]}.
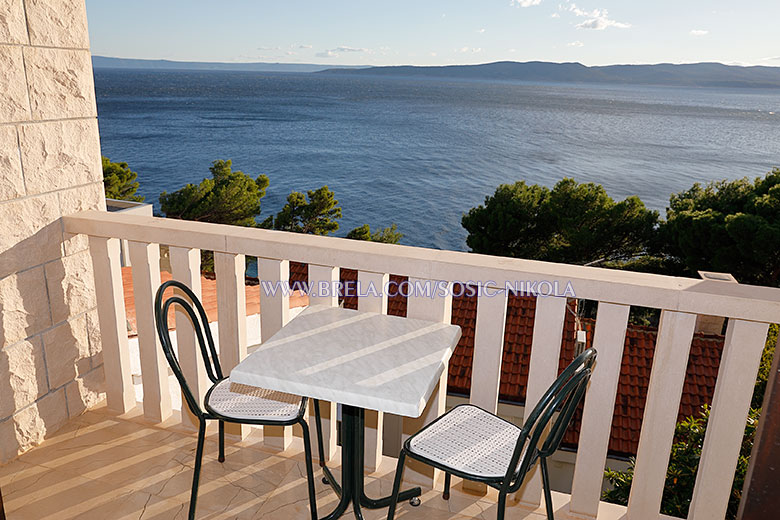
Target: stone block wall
{"points": [[50, 352]]}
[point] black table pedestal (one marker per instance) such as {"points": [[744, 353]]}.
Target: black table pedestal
{"points": [[352, 459]]}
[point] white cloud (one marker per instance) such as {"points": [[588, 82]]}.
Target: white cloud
{"points": [[472, 50], [525, 3], [575, 44], [334, 53], [699, 32], [304, 46], [597, 19], [481, 31], [348, 49], [269, 49], [771, 58], [555, 15]]}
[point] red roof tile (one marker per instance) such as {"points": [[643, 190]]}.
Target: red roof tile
{"points": [[396, 302], [464, 314]]}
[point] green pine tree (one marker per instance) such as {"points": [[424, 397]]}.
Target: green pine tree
{"points": [[317, 213], [119, 181]]}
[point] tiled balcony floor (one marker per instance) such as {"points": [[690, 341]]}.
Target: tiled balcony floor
{"points": [[101, 466]]}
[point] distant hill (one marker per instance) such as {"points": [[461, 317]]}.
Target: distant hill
{"points": [[694, 74], [103, 62], [691, 75]]}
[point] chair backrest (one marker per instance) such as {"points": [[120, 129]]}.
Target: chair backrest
{"points": [[200, 324], [562, 397]]}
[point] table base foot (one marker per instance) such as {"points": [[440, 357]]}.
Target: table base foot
{"points": [[331, 480], [351, 490], [378, 503]]}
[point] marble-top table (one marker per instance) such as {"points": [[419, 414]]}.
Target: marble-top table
{"points": [[363, 360]]}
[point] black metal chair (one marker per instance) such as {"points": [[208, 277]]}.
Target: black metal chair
{"points": [[226, 401], [474, 444]]}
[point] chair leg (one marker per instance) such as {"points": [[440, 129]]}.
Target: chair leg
{"points": [[447, 481], [222, 441], [309, 470], [546, 485], [318, 422], [399, 471], [196, 472], [501, 505]]}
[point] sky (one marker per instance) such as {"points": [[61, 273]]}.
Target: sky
{"points": [[437, 32]]}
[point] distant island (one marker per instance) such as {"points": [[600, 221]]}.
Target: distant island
{"points": [[685, 75], [104, 62], [689, 75]]}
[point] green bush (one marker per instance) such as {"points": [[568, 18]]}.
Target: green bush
{"points": [[388, 235]]}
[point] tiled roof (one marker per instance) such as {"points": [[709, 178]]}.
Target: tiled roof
{"points": [[634, 378], [638, 351], [208, 298], [634, 375]]}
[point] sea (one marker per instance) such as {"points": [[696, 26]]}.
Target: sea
{"points": [[419, 152]]}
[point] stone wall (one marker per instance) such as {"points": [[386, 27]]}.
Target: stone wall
{"points": [[50, 352]]}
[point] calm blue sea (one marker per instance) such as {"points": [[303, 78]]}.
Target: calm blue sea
{"points": [[421, 152]]}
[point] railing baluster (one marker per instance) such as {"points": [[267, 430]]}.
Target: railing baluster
{"points": [[106, 264], [154, 368], [549, 318], [274, 299], [733, 390], [608, 340], [488, 349], [488, 355], [373, 301], [231, 318], [434, 307], [672, 347], [323, 290], [274, 314], [185, 267]]}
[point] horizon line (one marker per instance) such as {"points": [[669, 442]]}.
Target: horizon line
{"points": [[335, 65]]}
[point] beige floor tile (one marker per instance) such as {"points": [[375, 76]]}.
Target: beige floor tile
{"points": [[18, 474], [141, 506], [104, 466], [59, 495]]}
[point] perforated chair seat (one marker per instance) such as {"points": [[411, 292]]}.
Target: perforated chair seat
{"points": [[244, 402], [467, 439]]}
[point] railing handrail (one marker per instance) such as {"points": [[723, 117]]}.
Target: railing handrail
{"points": [[681, 294]]}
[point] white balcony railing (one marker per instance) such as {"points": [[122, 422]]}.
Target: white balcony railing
{"points": [[749, 309]]}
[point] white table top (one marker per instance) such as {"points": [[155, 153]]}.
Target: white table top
{"points": [[363, 359]]}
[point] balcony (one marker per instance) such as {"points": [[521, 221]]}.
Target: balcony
{"points": [[134, 459]]}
